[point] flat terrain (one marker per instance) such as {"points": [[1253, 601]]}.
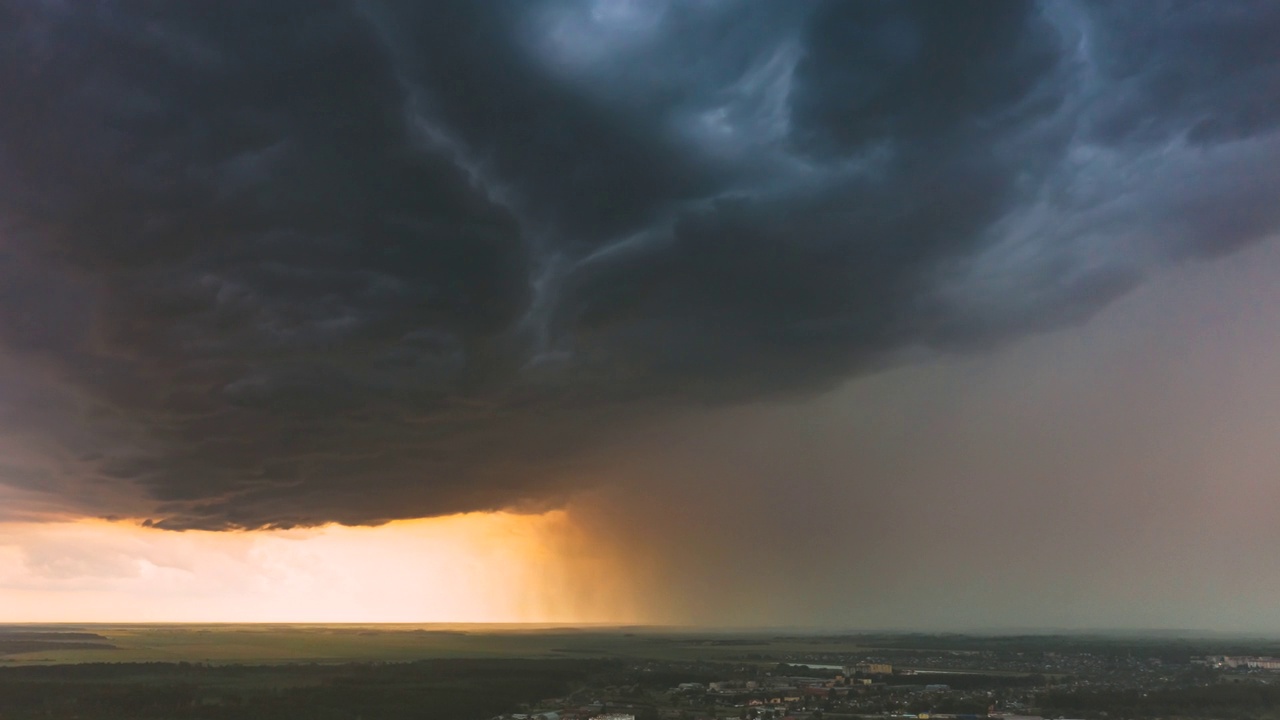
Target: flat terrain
{"points": [[269, 644], [227, 644], [437, 672]]}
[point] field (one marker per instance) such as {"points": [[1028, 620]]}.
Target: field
{"points": [[229, 644], [272, 644]]}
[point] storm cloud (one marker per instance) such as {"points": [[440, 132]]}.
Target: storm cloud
{"points": [[287, 263]]}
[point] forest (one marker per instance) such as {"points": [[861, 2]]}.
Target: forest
{"points": [[424, 690]]}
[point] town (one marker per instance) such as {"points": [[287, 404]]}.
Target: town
{"points": [[955, 684]]}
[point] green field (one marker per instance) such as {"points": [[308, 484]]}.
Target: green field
{"points": [[269, 644], [225, 644]]}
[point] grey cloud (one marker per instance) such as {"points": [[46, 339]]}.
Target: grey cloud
{"points": [[1175, 62], [294, 262]]}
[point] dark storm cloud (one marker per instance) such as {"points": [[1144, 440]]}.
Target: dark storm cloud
{"points": [[292, 262]]}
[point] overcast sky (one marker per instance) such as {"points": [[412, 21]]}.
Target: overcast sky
{"points": [[866, 314]]}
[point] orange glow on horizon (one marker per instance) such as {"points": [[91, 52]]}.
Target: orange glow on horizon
{"points": [[477, 567]]}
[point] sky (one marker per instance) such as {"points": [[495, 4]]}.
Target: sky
{"points": [[860, 315]]}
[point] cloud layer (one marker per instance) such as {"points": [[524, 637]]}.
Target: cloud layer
{"points": [[276, 264]]}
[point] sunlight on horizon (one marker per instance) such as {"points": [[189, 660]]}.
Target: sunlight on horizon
{"points": [[477, 567]]}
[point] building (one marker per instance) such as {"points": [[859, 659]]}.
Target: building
{"points": [[870, 668], [1239, 661]]}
